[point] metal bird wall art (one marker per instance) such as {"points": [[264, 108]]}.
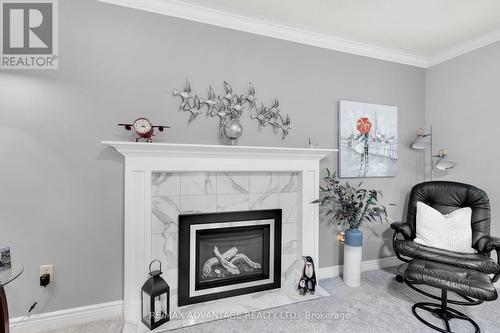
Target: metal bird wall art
{"points": [[229, 91], [211, 102], [231, 106], [250, 97], [185, 95], [194, 109]]}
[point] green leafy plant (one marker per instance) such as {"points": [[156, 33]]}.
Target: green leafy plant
{"points": [[350, 205]]}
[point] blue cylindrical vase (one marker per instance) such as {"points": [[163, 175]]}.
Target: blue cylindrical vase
{"points": [[353, 251]]}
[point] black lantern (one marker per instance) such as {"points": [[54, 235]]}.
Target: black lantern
{"points": [[155, 299]]}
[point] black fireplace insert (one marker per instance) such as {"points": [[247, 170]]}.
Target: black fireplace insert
{"points": [[228, 254]]}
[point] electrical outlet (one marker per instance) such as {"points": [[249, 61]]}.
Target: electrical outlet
{"points": [[47, 269]]}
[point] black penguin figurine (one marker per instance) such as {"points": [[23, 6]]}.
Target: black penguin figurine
{"points": [[307, 283], [302, 287]]}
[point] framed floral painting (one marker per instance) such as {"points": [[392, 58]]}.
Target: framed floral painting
{"points": [[368, 140]]}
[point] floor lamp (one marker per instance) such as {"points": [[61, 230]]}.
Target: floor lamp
{"points": [[425, 141]]}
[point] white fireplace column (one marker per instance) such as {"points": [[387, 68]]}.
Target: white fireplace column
{"points": [[141, 159]]}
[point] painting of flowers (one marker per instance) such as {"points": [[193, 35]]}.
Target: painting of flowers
{"points": [[368, 140]]}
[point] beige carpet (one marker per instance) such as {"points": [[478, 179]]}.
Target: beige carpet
{"points": [[112, 325]]}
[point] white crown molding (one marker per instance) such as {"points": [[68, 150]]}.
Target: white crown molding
{"points": [[368, 265], [274, 30], [265, 28], [464, 48], [74, 316]]}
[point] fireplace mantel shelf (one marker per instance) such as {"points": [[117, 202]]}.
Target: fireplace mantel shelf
{"points": [[141, 149]]}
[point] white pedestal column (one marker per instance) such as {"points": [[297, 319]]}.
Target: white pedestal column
{"points": [[353, 253]]}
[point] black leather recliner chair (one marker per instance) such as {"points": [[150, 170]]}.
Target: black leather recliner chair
{"points": [[447, 197]]}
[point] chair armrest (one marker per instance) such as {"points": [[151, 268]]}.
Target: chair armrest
{"points": [[488, 244], [402, 228]]}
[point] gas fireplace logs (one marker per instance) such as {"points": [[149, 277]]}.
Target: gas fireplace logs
{"points": [[229, 261]]}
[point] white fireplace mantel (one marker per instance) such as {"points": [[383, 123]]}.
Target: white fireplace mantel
{"points": [[134, 149], [141, 159]]}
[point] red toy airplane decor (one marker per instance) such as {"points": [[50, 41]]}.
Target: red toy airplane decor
{"points": [[143, 128]]}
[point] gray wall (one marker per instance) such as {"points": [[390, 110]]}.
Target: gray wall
{"points": [[462, 105], [62, 191]]}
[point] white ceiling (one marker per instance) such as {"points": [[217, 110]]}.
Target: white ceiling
{"points": [[418, 32], [420, 27]]}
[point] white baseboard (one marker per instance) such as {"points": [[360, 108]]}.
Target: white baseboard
{"points": [[62, 318], [369, 265], [75, 316]]}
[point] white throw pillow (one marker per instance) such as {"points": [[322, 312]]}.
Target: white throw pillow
{"points": [[450, 232]]}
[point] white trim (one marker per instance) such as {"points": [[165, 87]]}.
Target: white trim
{"points": [[75, 316], [329, 272], [369, 265], [183, 150], [228, 20], [68, 317], [464, 48], [266, 28]]}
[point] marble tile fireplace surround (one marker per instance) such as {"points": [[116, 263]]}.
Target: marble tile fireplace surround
{"points": [[164, 180]]}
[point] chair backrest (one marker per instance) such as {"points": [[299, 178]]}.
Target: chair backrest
{"points": [[449, 196]]}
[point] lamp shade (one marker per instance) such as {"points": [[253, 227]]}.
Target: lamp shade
{"points": [[445, 164], [422, 142]]}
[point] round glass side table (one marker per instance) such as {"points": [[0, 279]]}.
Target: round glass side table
{"points": [[6, 276]]}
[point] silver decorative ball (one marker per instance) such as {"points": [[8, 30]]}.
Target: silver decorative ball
{"points": [[232, 130]]}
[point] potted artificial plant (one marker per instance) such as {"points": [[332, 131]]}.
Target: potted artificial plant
{"points": [[351, 205]]}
